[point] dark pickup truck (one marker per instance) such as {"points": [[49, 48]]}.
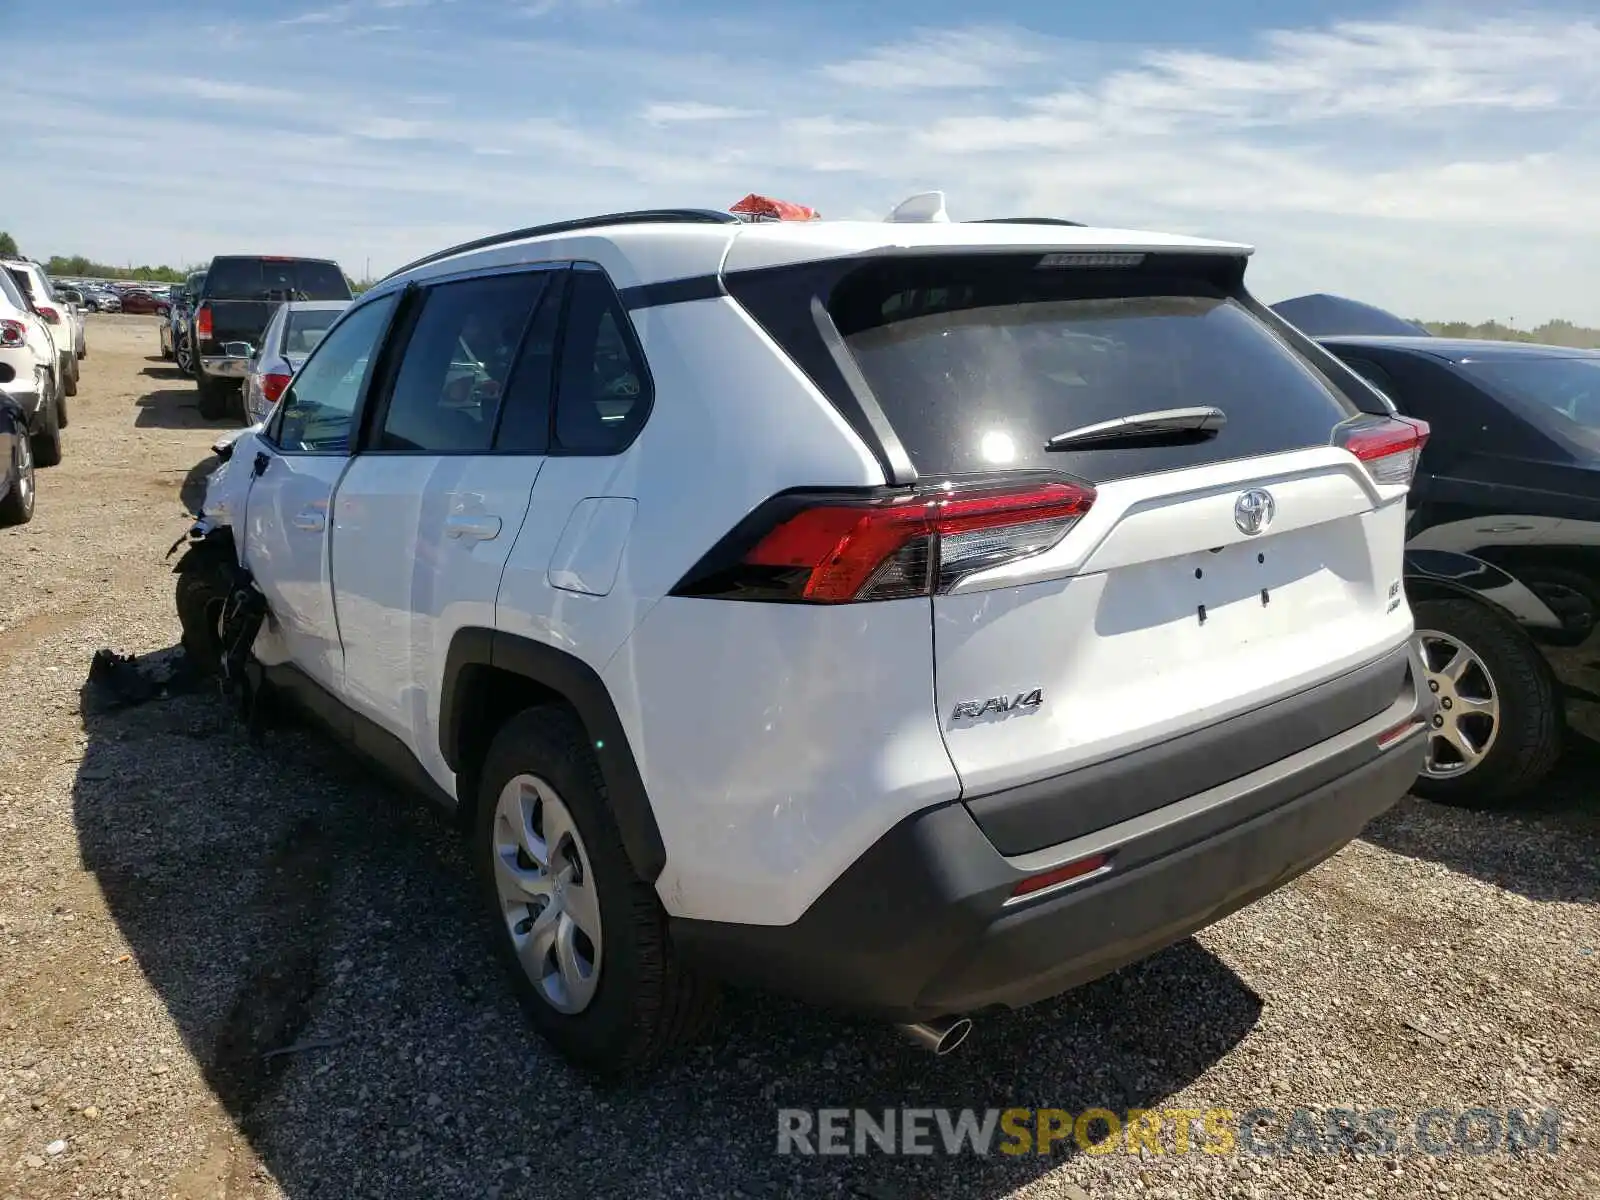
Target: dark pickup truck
{"points": [[236, 301]]}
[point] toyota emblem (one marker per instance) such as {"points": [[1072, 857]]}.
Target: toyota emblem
{"points": [[1253, 511]]}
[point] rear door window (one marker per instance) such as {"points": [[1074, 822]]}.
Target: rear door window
{"points": [[457, 364], [977, 365]]}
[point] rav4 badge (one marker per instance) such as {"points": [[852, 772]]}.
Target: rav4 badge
{"points": [[967, 710]]}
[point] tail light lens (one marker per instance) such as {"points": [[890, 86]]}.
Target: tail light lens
{"points": [[272, 386], [13, 334], [1389, 446], [49, 315], [202, 321], [823, 549]]}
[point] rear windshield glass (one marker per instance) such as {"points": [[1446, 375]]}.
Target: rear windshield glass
{"points": [[1559, 395], [977, 368], [304, 329], [275, 279]]}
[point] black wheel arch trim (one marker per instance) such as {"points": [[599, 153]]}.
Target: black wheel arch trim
{"points": [[579, 684], [1430, 574]]}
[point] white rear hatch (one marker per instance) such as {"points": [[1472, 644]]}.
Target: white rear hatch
{"points": [[1210, 564]]}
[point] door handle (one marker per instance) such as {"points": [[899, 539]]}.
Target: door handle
{"points": [[478, 527], [311, 520]]}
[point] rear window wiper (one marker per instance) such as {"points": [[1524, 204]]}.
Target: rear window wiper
{"points": [[1167, 427]]}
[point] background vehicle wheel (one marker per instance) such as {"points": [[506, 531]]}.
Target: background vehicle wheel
{"points": [[216, 398], [17, 507], [202, 594], [584, 938], [1497, 732], [182, 356], [69, 376], [46, 443], [167, 351]]}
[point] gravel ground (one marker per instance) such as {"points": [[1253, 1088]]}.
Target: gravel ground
{"points": [[176, 903]]}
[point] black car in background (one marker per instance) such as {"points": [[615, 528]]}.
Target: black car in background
{"points": [[175, 329], [236, 300], [1502, 562]]}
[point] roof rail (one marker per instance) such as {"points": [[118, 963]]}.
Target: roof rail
{"points": [[646, 216], [1028, 221]]}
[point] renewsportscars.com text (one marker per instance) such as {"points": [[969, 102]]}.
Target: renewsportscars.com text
{"points": [[1216, 1131]]}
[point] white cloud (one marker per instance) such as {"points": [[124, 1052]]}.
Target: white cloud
{"points": [[322, 16], [666, 113], [1440, 167], [939, 59]]}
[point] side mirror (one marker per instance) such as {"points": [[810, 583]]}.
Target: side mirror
{"points": [[238, 350]]}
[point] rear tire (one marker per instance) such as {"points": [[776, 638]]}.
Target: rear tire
{"points": [[46, 443], [69, 376], [216, 399], [1522, 741], [17, 507], [645, 1002]]}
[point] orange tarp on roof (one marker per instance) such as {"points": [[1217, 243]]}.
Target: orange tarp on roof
{"points": [[764, 207]]}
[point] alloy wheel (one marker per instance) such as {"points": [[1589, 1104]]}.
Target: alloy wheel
{"points": [[1466, 719], [547, 895], [25, 473]]}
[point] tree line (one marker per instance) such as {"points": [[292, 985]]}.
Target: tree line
{"points": [[1551, 333]]}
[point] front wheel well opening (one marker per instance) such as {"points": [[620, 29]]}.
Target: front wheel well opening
{"points": [[488, 698]]}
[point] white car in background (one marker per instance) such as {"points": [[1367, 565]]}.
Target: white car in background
{"points": [[29, 365], [78, 303], [292, 334], [62, 320]]}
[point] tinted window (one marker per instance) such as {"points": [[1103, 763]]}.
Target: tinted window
{"points": [[304, 328], [525, 410], [275, 279], [601, 397], [315, 413], [20, 278], [458, 362], [1559, 395], [977, 365]]}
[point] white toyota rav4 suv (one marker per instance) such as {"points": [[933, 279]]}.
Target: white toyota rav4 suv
{"points": [[915, 618]]}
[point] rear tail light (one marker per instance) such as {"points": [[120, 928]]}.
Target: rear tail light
{"points": [[837, 549], [202, 321], [13, 334], [1389, 446], [272, 386], [49, 315]]}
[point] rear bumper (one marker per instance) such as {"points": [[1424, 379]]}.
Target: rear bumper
{"points": [[221, 367], [920, 926]]}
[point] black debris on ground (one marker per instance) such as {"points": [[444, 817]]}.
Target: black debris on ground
{"points": [[125, 680]]}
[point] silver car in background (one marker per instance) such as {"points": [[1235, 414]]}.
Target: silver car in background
{"points": [[293, 333]]}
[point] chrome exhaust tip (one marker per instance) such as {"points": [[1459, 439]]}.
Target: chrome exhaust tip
{"points": [[941, 1035]]}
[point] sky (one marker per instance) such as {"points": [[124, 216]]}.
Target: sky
{"points": [[1440, 160]]}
